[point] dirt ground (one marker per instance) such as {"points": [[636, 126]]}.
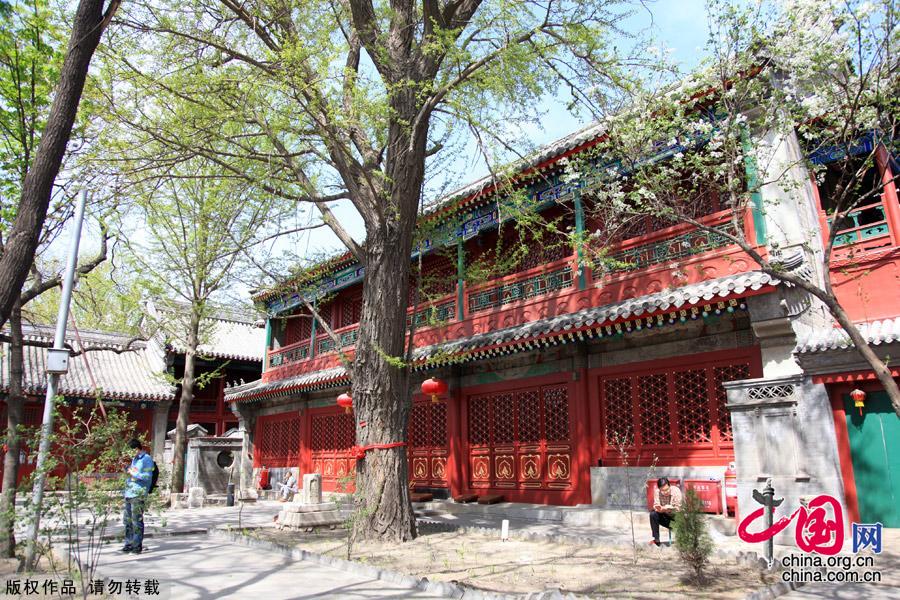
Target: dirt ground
{"points": [[517, 566]]}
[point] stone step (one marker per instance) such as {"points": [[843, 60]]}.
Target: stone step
{"points": [[575, 516]]}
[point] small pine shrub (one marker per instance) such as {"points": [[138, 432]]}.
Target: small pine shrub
{"points": [[692, 539]]}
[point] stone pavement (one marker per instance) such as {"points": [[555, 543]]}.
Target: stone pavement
{"points": [[194, 567], [202, 568], [610, 526], [183, 521]]}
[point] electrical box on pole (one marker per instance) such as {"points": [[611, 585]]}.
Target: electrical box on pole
{"points": [[57, 361]]}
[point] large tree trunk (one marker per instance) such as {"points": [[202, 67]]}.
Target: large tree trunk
{"points": [[15, 407], [184, 404], [18, 253], [381, 395]]}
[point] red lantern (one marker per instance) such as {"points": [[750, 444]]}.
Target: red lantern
{"points": [[346, 402], [859, 399], [434, 387]]}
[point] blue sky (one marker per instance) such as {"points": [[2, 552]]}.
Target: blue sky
{"points": [[678, 25]]}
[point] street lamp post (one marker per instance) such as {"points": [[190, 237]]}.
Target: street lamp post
{"points": [[57, 364]]}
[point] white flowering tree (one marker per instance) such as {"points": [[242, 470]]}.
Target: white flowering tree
{"points": [[821, 70]]}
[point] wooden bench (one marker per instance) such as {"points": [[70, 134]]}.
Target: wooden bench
{"points": [[420, 497], [490, 499], [464, 498]]}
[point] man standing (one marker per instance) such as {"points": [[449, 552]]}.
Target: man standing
{"points": [[137, 487], [666, 502]]}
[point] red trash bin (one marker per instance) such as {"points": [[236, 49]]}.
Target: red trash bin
{"points": [[709, 491], [731, 489]]}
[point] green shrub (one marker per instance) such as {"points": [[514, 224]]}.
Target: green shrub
{"points": [[692, 540]]}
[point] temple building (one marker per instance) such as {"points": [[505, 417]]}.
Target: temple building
{"points": [[677, 358], [136, 376]]}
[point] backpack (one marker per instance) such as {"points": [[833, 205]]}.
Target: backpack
{"points": [[154, 478]]}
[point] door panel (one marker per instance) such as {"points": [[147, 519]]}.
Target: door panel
{"points": [[875, 450]]}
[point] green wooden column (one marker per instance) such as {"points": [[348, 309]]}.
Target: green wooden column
{"points": [[312, 335], [268, 342], [579, 230], [752, 171], [460, 278]]}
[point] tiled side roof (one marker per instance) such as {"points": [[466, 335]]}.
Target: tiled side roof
{"points": [[593, 317], [690, 295], [231, 340], [121, 374], [256, 390], [876, 333]]}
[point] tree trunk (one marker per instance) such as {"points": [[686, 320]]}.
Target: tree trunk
{"points": [[15, 408], [381, 399], [184, 403], [381, 395], [18, 253]]}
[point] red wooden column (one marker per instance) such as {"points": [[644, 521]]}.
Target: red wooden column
{"points": [[220, 408], [455, 447], [581, 433], [836, 393], [889, 194], [305, 458]]}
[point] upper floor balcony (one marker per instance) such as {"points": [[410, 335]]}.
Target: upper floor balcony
{"points": [[666, 258]]}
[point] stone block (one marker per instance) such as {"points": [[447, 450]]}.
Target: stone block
{"points": [[300, 520], [312, 489], [196, 497], [308, 508]]}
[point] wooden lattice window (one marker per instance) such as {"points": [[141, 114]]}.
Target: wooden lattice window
{"points": [[439, 278], [332, 432], [428, 425], [692, 400], [556, 411], [351, 310], [654, 400], [278, 440], [297, 329], [672, 410], [617, 406], [529, 416], [734, 372], [480, 420]]}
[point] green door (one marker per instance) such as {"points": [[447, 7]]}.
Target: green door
{"points": [[875, 448]]}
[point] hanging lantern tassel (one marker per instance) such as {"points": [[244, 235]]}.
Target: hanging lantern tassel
{"points": [[434, 387], [859, 399], [345, 401]]}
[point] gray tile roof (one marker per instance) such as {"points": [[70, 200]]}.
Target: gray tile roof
{"points": [[543, 154], [230, 339], [875, 332], [121, 371], [689, 295], [257, 390]]}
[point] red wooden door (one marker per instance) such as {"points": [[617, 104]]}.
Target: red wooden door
{"points": [[520, 440], [332, 434], [427, 453]]}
